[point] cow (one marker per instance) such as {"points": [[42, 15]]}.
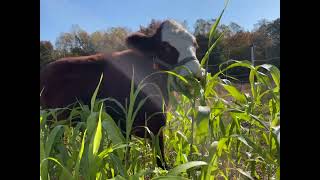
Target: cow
{"points": [[69, 79]]}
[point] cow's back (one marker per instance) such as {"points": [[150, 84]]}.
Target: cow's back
{"points": [[64, 81]]}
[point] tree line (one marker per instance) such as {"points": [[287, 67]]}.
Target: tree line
{"points": [[235, 44]]}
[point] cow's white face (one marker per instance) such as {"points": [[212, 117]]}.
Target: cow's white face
{"points": [[185, 44]]}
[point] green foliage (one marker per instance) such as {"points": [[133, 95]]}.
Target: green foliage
{"points": [[80, 43], [234, 136]]}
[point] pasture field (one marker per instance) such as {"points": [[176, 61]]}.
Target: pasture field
{"points": [[213, 131]]}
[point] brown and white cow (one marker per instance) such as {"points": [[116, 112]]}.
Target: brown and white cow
{"points": [[75, 78]]}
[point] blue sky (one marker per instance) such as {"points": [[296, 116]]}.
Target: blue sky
{"points": [[58, 16]]}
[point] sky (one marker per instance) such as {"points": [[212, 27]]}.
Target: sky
{"points": [[57, 16]]}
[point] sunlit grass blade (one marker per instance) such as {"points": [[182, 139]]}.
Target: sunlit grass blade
{"points": [[177, 75], [105, 153], [129, 120], [98, 134], [94, 96], [234, 63], [242, 139], [235, 93], [76, 171], [215, 25], [206, 56], [202, 123], [246, 174], [275, 73], [183, 167], [252, 83], [260, 122]]}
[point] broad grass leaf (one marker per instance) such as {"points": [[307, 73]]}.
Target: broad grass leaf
{"points": [[183, 167]]}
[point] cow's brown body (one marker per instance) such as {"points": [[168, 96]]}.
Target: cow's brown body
{"points": [[75, 78], [70, 79]]}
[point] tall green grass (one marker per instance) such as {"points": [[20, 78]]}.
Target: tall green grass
{"points": [[213, 131], [234, 136]]}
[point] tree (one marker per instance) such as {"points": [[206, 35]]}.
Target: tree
{"points": [[261, 25], [46, 52], [115, 39], [98, 41], [235, 43], [75, 43], [235, 28], [225, 29], [202, 27], [273, 32], [266, 38], [65, 43], [80, 43], [238, 45]]}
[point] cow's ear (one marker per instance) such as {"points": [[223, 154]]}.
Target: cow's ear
{"points": [[141, 42]]}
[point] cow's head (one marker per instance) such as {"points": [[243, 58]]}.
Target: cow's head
{"points": [[171, 43]]}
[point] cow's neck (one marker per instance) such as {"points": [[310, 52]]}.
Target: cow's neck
{"points": [[160, 79], [143, 66]]}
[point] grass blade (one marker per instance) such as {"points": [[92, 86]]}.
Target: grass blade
{"points": [[98, 134], [76, 174], [44, 168], [66, 173], [244, 173], [215, 25], [183, 167], [177, 75], [93, 98], [51, 139], [235, 93], [206, 56], [275, 73], [114, 133]]}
